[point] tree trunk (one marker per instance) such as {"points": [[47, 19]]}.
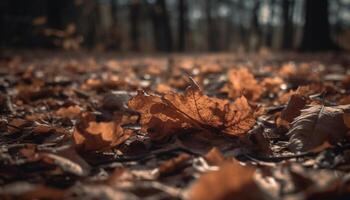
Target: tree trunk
{"points": [[161, 27], [270, 28], [182, 25], [212, 32], [287, 9], [317, 36], [134, 24], [255, 32]]}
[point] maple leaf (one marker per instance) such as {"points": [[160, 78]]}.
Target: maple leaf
{"points": [[162, 116], [316, 125], [232, 181], [242, 82], [90, 135]]}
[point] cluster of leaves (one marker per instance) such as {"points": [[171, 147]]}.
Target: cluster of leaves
{"points": [[248, 127]]}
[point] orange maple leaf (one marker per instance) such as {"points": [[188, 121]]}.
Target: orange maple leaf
{"points": [[164, 115]]}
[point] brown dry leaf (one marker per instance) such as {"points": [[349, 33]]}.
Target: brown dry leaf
{"points": [[256, 142], [295, 105], [119, 176], [163, 88], [69, 112], [304, 91], [41, 129], [287, 69], [163, 116], [174, 164], [26, 191], [157, 118], [213, 113], [90, 135], [346, 81], [346, 118], [344, 100], [242, 82], [17, 124], [210, 68], [316, 125], [232, 181], [41, 20], [272, 84], [214, 157], [179, 82]]}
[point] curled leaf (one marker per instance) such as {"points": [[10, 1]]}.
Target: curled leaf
{"points": [[316, 125], [293, 109]]}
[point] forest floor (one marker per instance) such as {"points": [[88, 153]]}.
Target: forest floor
{"points": [[199, 126]]}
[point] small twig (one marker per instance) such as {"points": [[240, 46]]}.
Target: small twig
{"points": [[281, 158], [153, 154]]}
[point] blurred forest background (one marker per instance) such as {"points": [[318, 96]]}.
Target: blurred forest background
{"points": [[176, 25]]}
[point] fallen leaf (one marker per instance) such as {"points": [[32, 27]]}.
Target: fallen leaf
{"points": [[69, 112], [27, 191], [115, 100], [232, 181], [344, 100], [303, 91], [119, 176], [317, 124], [163, 88], [214, 157], [242, 82], [171, 113], [346, 118], [90, 135], [210, 68], [272, 84], [293, 109], [174, 164]]}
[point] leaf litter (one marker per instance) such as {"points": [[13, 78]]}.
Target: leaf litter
{"points": [[180, 127]]}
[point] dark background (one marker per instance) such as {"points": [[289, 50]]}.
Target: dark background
{"points": [[176, 25]]}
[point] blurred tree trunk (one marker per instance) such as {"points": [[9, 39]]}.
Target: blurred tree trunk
{"points": [[243, 33], [287, 10], [113, 40], [161, 27], [134, 24], [182, 24], [317, 36], [88, 22], [212, 39], [255, 30], [270, 31], [54, 17]]}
